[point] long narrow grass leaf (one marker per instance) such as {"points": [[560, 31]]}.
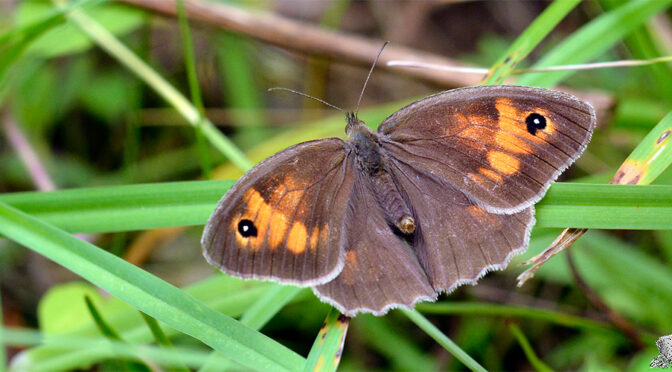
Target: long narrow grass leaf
{"points": [[443, 340], [137, 207], [532, 357], [257, 315], [325, 355], [148, 293], [126, 57], [593, 39], [529, 39], [161, 339]]}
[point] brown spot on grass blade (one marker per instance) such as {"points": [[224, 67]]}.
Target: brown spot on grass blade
{"points": [[325, 355], [630, 173]]}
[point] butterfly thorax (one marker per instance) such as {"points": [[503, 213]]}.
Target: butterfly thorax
{"points": [[373, 163]]}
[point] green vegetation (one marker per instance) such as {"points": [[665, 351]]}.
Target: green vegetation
{"points": [[116, 108]]}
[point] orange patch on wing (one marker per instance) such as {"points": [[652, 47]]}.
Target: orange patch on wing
{"points": [[292, 183], [482, 120], [503, 162], [511, 119], [314, 236], [277, 229], [458, 123], [271, 223], [476, 212], [512, 143], [298, 236], [491, 174], [257, 211]]}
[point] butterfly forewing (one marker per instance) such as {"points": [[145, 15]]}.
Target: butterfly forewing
{"points": [[283, 219], [501, 145]]}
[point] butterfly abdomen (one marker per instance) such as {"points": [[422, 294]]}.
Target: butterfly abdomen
{"points": [[372, 162]]}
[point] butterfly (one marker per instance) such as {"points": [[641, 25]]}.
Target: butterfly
{"points": [[442, 193]]}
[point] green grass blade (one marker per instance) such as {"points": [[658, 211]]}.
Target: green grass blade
{"points": [[600, 207], [270, 304], [529, 39], [650, 158], [130, 60], [3, 340], [523, 312], [148, 293], [194, 87], [226, 294], [109, 333], [442, 339], [238, 79], [161, 339], [593, 39], [137, 207], [325, 355], [16, 41], [532, 357], [382, 335], [103, 327], [159, 336], [26, 338], [257, 315]]}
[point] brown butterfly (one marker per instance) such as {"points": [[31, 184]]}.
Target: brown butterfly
{"points": [[438, 196]]}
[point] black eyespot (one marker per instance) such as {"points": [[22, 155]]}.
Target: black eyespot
{"points": [[535, 121], [246, 228]]}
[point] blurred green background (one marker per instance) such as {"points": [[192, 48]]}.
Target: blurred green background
{"points": [[105, 94]]}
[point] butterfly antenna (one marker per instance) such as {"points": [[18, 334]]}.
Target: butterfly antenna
{"points": [[369, 76], [308, 96]]}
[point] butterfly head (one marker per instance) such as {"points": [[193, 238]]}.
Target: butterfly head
{"points": [[353, 124]]}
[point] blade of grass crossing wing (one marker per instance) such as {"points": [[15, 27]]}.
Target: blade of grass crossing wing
{"points": [[136, 207], [325, 355], [593, 39], [443, 340], [529, 39], [148, 293]]}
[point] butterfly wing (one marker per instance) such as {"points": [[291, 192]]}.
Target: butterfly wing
{"points": [[457, 241], [283, 219], [381, 271], [501, 145]]}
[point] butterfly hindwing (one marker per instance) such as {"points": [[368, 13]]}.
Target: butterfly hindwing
{"points": [[501, 145], [283, 219], [457, 241], [381, 270]]}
